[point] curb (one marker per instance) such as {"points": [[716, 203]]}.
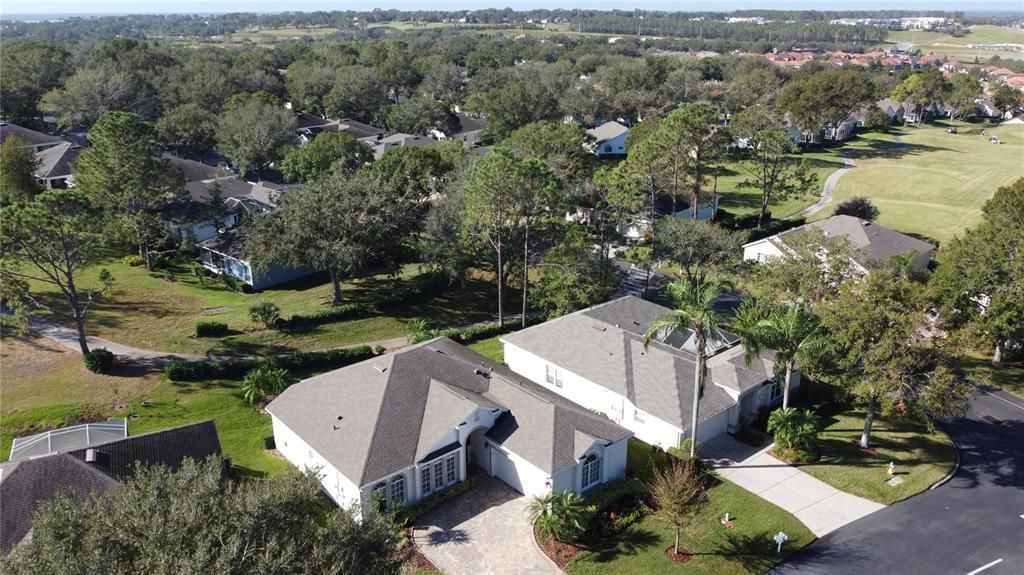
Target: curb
{"points": [[956, 464]]}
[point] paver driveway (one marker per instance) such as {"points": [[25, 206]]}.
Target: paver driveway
{"points": [[821, 507], [485, 531]]}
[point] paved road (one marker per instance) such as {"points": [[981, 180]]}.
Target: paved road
{"points": [[827, 189], [972, 525]]}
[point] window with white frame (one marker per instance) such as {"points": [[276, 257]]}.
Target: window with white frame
{"points": [[775, 391], [553, 376], [451, 469], [398, 489], [639, 416], [591, 471], [438, 475], [425, 484], [380, 495]]}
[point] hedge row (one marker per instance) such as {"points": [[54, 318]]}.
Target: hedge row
{"points": [[300, 360], [463, 334], [211, 329], [336, 313], [408, 515]]}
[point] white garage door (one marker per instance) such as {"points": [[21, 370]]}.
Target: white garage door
{"points": [[504, 469]]}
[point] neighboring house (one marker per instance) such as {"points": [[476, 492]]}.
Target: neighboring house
{"points": [[240, 199], [984, 108], [383, 144], [609, 140], [224, 254], [309, 125], [405, 425], [842, 132], [81, 471], [893, 110], [38, 141], [55, 165], [874, 244], [596, 358]]}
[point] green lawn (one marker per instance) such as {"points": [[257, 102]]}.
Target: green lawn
{"points": [[1010, 378], [940, 43], [929, 182], [490, 348], [742, 201], [922, 457], [717, 550], [151, 311]]}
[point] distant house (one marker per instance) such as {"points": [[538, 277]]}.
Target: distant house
{"points": [[470, 132], [596, 358], [225, 254], [609, 140], [309, 125], [240, 199], [384, 144], [416, 422], [55, 165], [984, 108], [38, 141], [86, 461], [893, 110], [874, 244], [843, 131]]}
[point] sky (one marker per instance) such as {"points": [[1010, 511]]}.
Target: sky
{"points": [[208, 6]]}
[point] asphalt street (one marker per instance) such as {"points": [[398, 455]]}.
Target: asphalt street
{"points": [[972, 525]]}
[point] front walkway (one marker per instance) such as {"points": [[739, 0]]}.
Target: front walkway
{"points": [[485, 531], [821, 507]]}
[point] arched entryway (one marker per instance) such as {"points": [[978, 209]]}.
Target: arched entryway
{"points": [[476, 450]]}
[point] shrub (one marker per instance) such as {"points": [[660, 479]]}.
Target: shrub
{"points": [[297, 361], [617, 490], [794, 428], [133, 260], [266, 313], [336, 313], [560, 516], [99, 360], [211, 329], [857, 207], [263, 381]]}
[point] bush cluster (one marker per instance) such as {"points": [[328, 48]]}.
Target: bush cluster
{"points": [[99, 360], [406, 515], [266, 313], [211, 329], [336, 313], [297, 361], [133, 260], [464, 335], [263, 381]]}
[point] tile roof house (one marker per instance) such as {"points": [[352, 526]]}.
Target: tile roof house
{"points": [[874, 244], [82, 472], [596, 358], [411, 423]]}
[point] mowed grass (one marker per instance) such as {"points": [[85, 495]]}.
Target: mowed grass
{"points": [[1010, 377], [158, 310], [716, 549], [490, 348], [922, 457], [928, 182], [742, 200], [44, 386], [942, 43]]}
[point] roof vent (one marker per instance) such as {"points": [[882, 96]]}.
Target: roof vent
{"points": [[91, 455], [380, 368], [482, 373], [599, 327]]}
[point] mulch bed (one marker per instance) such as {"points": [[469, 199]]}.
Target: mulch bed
{"points": [[417, 559], [682, 557], [559, 552]]}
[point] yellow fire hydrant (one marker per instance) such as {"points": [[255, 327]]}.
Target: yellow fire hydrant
{"points": [[892, 468]]}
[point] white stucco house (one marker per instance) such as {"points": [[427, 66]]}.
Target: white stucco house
{"points": [[873, 244], [596, 358], [609, 140], [403, 426]]}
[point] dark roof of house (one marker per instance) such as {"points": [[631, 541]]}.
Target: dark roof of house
{"points": [[229, 243], [30, 137], [24, 485], [873, 242], [468, 123], [391, 411], [604, 344], [307, 120], [194, 171], [358, 129], [56, 162]]}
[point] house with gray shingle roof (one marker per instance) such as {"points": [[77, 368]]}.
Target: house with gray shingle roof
{"points": [[874, 245], [596, 358], [609, 140], [402, 426]]}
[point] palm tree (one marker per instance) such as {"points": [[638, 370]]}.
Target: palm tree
{"points": [[792, 331], [695, 310], [559, 516]]}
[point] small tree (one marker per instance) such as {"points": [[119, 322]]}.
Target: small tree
{"points": [[559, 516], [794, 428], [261, 382], [266, 313], [679, 491], [859, 208]]}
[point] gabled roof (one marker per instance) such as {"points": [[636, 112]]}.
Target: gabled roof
{"points": [[607, 131], [192, 170], [229, 243], [380, 416], [604, 344], [26, 484], [874, 243], [57, 161], [30, 137]]}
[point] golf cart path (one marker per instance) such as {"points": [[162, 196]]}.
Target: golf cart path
{"points": [[828, 189]]}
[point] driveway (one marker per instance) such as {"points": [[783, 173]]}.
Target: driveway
{"points": [[485, 531], [974, 524], [819, 506]]}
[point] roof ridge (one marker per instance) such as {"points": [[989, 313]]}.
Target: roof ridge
{"points": [[380, 407]]}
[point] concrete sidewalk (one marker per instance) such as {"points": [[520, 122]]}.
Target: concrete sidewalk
{"points": [[821, 507]]}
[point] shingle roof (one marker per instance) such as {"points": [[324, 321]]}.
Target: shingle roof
{"points": [[26, 484], [192, 170], [56, 162], [30, 137], [607, 131], [874, 242], [229, 243], [390, 410], [604, 345]]}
